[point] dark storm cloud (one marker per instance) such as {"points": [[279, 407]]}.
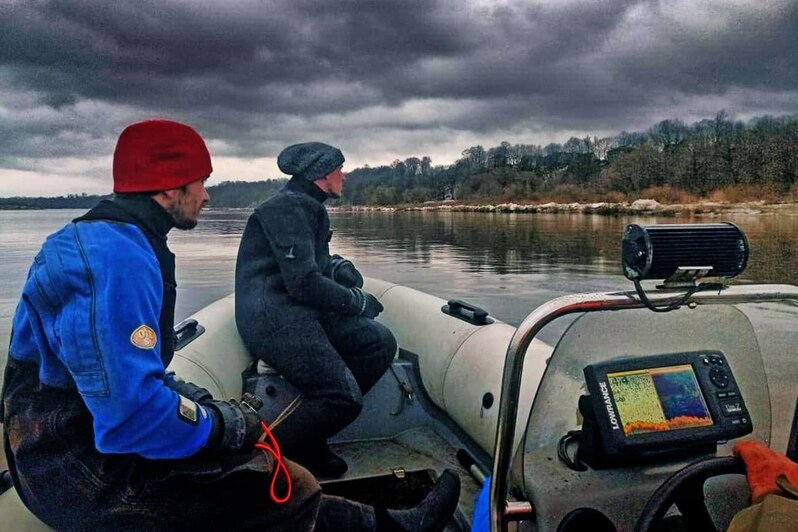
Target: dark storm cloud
{"points": [[254, 75], [255, 56]]}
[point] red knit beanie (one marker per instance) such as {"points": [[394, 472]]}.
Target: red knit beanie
{"points": [[158, 155]]}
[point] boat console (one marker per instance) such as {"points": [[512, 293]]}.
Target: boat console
{"points": [[644, 395]]}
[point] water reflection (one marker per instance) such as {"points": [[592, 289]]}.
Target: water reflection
{"points": [[548, 243], [508, 263]]}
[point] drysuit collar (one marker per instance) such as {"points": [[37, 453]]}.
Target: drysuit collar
{"points": [[300, 184], [147, 211]]}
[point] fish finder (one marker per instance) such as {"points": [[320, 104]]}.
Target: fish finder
{"points": [[655, 406]]}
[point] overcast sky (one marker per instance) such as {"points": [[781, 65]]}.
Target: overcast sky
{"points": [[381, 79]]}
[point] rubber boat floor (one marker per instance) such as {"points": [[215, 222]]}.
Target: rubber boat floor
{"points": [[398, 472]]}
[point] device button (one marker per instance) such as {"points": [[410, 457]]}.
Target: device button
{"points": [[719, 377], [705, 360], [731, 394], [722, 395], [733, 407]]}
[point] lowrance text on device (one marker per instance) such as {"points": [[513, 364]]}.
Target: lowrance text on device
{"points": [[605, 394]]}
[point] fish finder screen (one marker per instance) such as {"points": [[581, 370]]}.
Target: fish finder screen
{"points": [[658, 399]]}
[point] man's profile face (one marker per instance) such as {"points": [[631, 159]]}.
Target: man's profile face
{"points": [[186, 203], [333, 183]]}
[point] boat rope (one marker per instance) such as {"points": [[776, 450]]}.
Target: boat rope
{"points": [[288, 410], [273, 448]]}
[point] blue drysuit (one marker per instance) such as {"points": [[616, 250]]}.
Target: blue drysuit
{"points": [[92, 287], [94, 436]]}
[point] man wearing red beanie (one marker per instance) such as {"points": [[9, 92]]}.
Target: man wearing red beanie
{"points": [[96, 433]]}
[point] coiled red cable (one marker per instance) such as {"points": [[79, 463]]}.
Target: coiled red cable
{"points": [[279, 464]]}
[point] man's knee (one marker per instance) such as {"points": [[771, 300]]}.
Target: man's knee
{"points": [[349, 406], [302, 508]]}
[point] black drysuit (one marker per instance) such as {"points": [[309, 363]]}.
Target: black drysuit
{"points": [[301, 322]]}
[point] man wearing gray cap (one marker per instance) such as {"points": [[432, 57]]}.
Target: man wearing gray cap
{"points": [[304, 313]]}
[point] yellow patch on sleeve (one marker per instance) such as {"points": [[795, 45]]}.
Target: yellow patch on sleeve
{"points": [[143, 337]]}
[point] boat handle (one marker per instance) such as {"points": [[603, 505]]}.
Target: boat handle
{"points": [[186, 332], [467, 312]]}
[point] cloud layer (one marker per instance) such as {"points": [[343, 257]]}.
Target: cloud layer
{"points": [[382, 79]]}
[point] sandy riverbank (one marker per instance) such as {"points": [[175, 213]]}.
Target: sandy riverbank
{"points": [[641, 206]]}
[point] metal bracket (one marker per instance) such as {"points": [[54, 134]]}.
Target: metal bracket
{"points": [[686, 277], [405, 393]]}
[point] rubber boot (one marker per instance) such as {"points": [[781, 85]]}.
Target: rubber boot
{"points": [[430, 515]]}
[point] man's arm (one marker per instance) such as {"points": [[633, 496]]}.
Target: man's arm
{"points": [[110, 334], [290, 236], [343, 272]]}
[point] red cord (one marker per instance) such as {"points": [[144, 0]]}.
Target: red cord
{"points": [[274, 450]]}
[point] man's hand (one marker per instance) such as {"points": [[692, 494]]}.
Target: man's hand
{"points": [[373, 306], [370, 306], [344, 272], [365, 304], [236, 427], [189, 390]]}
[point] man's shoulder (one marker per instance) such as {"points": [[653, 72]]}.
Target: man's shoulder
{"points": [[109, 250], [112, 241], [111, 230], [288, 199]]}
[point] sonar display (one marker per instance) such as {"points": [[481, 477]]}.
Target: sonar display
{"points": [[658, 399]]}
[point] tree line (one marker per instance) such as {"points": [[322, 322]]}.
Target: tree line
{"points": [[717, 158], [671, 160]]}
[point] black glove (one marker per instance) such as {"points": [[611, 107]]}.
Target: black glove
{"points": [[236, 426], [189, 390], [343, 272], [370, 306]]}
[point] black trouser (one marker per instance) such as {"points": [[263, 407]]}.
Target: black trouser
{"points": [[333, 362], [69, 485]]}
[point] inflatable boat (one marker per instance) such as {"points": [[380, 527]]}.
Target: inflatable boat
{"points": [[626, 422]]}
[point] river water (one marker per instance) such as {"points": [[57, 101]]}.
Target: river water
{"points": [[505, 263]]}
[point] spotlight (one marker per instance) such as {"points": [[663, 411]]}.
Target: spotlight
{"points": [[683, 251]]}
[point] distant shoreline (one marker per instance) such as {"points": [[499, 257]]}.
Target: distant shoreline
{"points": [[640, 207], [637, 207]]}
